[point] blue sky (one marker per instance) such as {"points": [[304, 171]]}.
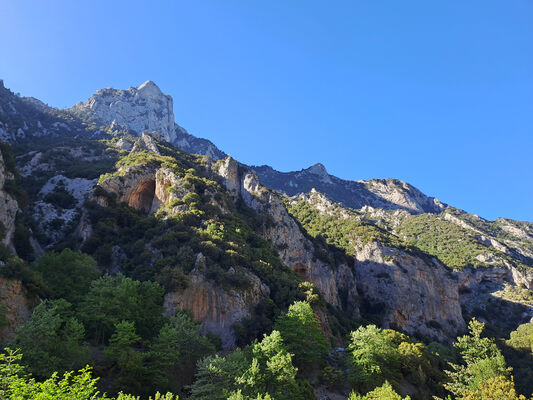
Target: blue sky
{"points": [[439, 94]]}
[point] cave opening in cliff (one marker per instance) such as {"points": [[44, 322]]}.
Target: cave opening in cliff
{"points": [[143, 196], [300, 270]]}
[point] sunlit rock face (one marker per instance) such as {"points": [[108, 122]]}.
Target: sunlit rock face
{"points": [[142, 108]]}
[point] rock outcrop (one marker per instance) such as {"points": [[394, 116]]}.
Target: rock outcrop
{"points": [[141, 187], [143, 108], [388, 194], [337, 285], [409, 293], [8, 208], [15, 307], [218, 309]]}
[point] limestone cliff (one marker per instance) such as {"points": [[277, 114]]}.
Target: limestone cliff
{"points": [[216, 308], [15, 306], [8, 208], [141, 108], [296, 251], [410, 293]]}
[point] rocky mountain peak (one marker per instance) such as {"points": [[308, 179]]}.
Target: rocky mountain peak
{"points": [[142, 108], [318, 169], [150, 89]]}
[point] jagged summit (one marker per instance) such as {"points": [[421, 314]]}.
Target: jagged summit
{"points": [[318, 169], [149, 88]]}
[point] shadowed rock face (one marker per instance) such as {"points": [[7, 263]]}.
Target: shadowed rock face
{"points": [[142, 188], [410, 293], [8, 208], [14, 298], [142, 196]]}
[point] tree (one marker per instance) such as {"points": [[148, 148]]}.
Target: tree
{"points": [[176, 350], [126, 357], [52, 339], [67, 274], [112, 299], [271, 372], [301, 333], [374, 357], [216, 376], [497, 388], [482, 360], [16, 385], [158, 396], [384, 392]]}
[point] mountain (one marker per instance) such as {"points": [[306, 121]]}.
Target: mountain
{"points": [[116, 180], [389, 194]]}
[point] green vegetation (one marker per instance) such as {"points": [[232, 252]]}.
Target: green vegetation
{"points": [[481, 361], [301, 332], [67, 274], [453, 245], [379, 355], [516, 294], [518, 351], [113, 299], [114, 322], [384, 392], [16, 384], [52, 340], [343, 233]]}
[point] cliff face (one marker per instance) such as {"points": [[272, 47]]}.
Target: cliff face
{"points": [[216, 308], [141, 108], [338, 285], [16, 308], [403, 289], [410, 293], [8, 207]]}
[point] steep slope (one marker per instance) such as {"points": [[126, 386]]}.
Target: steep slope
{"points": [[219, 238]]}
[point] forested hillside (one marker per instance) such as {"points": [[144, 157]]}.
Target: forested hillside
{"points": [[138, 261]]}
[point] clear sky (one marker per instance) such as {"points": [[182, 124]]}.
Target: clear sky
{"points": [[436, 93]]}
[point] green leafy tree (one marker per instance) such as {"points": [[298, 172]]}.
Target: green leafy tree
{"points": [[518, 353], [176, 350], [374, 357], [67, 274], [122, 352], [384, 392], [52, 339], [482, 360], [158, 396], [239, 396], [112, 299], [216, 376], [11, 372], [271, 372], [301, 333], [497, 388]]}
